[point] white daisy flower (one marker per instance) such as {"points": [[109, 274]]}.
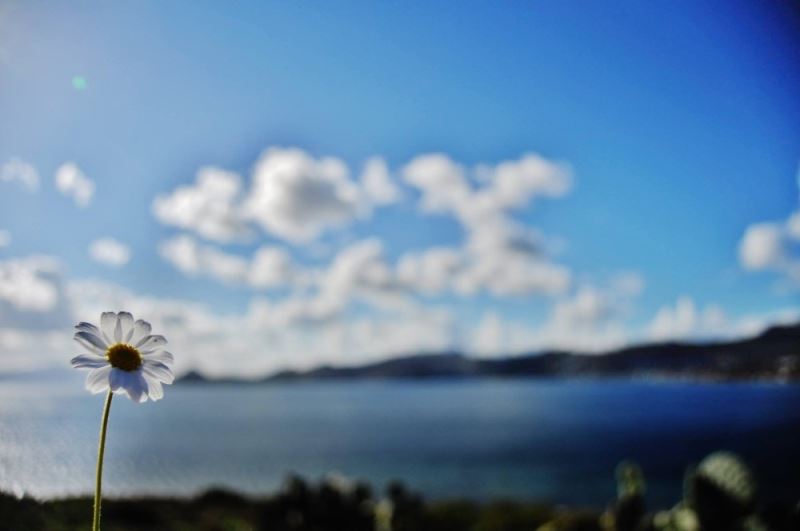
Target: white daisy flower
{"points": [[123, 355]]}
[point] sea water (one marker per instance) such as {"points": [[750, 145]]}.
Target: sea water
{"points": [[555, 441]]}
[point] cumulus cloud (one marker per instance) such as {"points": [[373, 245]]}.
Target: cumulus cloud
{"points": [[110, 252], [28, 283], [31, 292], [492, 336], [377, 184], [591, 319], [296, 197], [72, 182], [17, 170], [485, 191], [793, 226], [196, 259], [357, 274], [291, 195], [209, 206], [263, 338], [271, 267], [773, 246], [500, 255], [430, 272], [5, 238], [684, 320], [441, 181], [762, 247], [309, 327], [27, 349], [505, 259]]}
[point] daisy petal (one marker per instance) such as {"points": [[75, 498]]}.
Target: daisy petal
{"points": [[156, 369], [141, 329], [159, 355], [108, 321], [118, 379], [88, 361], [118, 331], [88, 327], [97, 380], [150, 342], [137, 388], [126, 324], [154, 388], [92, 342]]}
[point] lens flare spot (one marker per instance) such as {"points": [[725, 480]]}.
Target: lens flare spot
{"points": [[79, 83]]}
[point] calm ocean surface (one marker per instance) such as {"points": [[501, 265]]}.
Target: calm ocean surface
{"points": [[556, 441]]}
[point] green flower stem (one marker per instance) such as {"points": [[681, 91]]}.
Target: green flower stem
{"points": [[98, 482]]}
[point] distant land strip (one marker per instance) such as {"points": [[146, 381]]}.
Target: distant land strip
{"points": [[773, 355]]}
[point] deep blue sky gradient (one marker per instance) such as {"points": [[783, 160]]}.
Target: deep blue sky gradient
{"points": [[681, 121]]}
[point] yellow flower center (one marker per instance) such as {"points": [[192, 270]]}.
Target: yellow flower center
{"points": [[124, 356]]}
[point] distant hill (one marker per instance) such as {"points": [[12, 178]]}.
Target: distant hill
{"points": [[773, 355]]}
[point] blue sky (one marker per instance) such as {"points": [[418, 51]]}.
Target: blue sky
{"points": [[672, 128]]}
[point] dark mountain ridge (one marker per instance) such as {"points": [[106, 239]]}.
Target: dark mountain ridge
{"points": [[772, 355]]}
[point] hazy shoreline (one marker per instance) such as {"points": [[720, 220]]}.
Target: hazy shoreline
{"points": [[771, 356]]}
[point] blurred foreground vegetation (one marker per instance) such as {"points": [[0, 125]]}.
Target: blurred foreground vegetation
{"points": [[720, 494]]}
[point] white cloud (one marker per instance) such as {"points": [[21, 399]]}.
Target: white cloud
{"points": [[773, 246], [377, 183], [500, 255], [441, 180], [486, 191], [360, 268], [323, 339], [513, 184], [31, 293], [511, 275], [793, 226], [762, 247], [263, 339], [5, 238], [292, 195], [506, 260], [27, 349], [209, 206], [72, 182], [29, 283], [297, 197], [503, 262], [271, 267], [359, 272], [302, 330], [490, 337], [686, 321], [590, 320], [627, 284], [22, 172], [587, 307], [110, 252], [430, 271], [195, 259]]}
